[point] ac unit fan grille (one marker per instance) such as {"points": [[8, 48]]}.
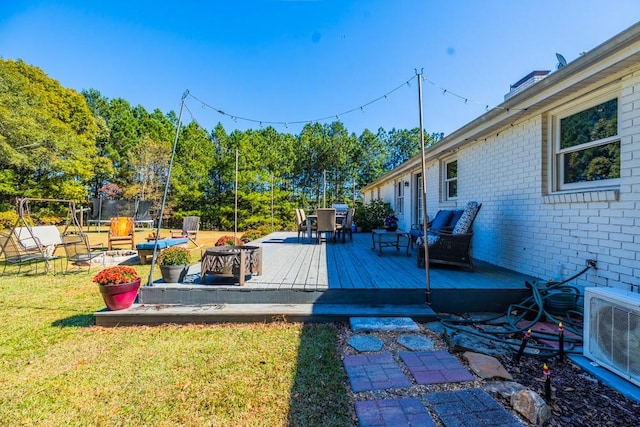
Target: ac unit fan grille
{"points": [[614, 336]]}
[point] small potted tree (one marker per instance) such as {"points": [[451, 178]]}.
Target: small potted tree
{"points": [[118, 286], [174, 264]]}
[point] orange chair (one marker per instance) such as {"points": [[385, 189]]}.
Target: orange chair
{"points": [[121, 231]]}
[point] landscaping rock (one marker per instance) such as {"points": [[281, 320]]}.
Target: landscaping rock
{"points": [[530, 405], [486, 367], [504, 389], [435, 327]]}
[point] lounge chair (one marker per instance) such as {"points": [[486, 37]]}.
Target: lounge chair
{"points": [[190, 228], [121, 231], [451, 247]]}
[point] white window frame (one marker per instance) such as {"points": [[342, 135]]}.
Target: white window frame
{"points": [[399, 196], [556, 153], [446, 197]]}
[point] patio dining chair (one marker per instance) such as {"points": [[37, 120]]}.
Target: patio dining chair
{"points": [[300, 226], [345, 227], [121, 230], [76, 247], [326, 224]]}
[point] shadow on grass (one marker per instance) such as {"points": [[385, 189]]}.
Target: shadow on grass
{"points": [[75, 321], [319, 395]]}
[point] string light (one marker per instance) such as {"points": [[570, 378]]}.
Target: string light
{"points": [[235, 118], [385, 96], [463, 98]]}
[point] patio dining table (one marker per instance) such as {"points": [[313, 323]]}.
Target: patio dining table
{"points": [[340, 218]]}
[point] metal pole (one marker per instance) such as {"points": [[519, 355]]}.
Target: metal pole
{"points": [[166, 190], [424, 193], [235, 220], [324, 188]]}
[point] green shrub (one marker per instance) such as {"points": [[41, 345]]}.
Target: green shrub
{"points": [[250, 235], [228, 241], [371, 215], [8, 219], [175, 255]]}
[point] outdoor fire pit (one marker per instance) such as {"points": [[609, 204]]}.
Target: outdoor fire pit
{"points": [[231, 263]]}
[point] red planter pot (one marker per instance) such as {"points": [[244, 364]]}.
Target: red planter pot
{"points": [[119, 297]]}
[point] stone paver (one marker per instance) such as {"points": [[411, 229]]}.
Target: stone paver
{"points": [[365, 343], [385, 324], [435, 367], [416, 342], [374, 372], [393, 412], [472, 407]]}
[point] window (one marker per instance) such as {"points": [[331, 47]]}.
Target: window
{"points": [[399, 198], [450, 180], [586, 145]]}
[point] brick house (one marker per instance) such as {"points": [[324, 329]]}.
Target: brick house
{"points": [[556, 167]]}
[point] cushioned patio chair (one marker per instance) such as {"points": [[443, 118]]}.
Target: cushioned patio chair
{"points": [[445, 220], [451, 247], [121, 231]]}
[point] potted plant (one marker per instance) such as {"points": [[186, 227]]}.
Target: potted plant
{"points": [[174, 264], [118, 286], [391, 222]]}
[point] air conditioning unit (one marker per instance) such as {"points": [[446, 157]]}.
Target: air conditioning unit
{"points": [[612, 330]]}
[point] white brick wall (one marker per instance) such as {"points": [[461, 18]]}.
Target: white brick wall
{"points": [[522, 228]]}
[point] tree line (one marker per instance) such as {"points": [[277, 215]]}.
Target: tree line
{"points": [[58, 143]]}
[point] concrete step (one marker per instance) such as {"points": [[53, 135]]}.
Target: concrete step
{"points": [[156, 314]]}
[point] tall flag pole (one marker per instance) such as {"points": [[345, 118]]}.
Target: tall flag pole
{"points": [[424, 193], [166, 190]]}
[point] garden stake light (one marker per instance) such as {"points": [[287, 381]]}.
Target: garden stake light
{"points": [[547, 383], [523, 344], [561, 342]]}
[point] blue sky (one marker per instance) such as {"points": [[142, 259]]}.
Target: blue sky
{"points": [[298, 61]]}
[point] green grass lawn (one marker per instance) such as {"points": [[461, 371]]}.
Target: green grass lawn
{"points": [[58, 368]]}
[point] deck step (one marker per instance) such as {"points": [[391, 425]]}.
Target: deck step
{"points": [[156, 314]]}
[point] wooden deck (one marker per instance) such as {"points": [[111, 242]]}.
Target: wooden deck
{"points": [[342, 273], [304, 281]]}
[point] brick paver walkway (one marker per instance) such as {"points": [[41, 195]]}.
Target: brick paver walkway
{"points": [[375, 371], [393, 412], [435, 367], [372, 371], [472, 407]]}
